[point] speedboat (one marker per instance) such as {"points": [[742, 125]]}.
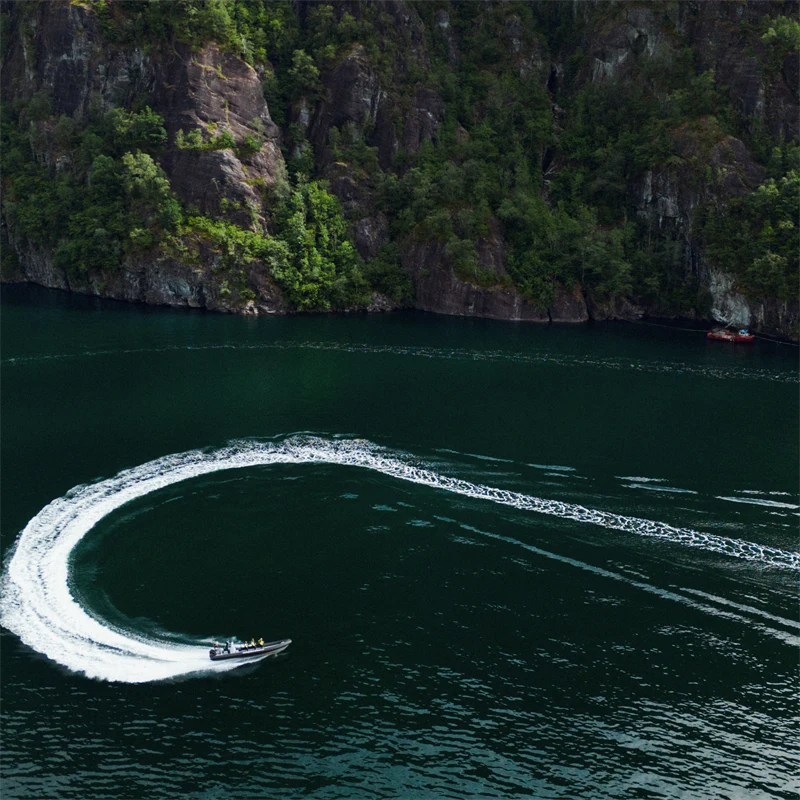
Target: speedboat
{"points": [[243, 652]]}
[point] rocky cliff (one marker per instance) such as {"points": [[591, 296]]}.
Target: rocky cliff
{"points": [[480, 153], [59, 50]]}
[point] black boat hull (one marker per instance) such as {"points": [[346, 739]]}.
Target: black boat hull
{"points": [[237, 654]]}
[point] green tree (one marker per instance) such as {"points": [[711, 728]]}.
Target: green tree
{"points": [[323, 270], [782, 38], [303, 75]]}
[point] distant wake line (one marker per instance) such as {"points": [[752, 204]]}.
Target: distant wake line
{"points": [[449, 354], [36, 603]]}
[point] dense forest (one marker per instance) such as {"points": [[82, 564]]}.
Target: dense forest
{"points": [[540, 150]]}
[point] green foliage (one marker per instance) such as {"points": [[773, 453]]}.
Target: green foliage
{"points": [[108, 206], [40, 107], [308, 254], [122, 204], [486, 163], [386, 276], [237, 246], [782, 38], [303, 75], [256, 30], [323, 270], [127, 130], [553, 248], [250, 145], [194, 140], [757, 238], [783, 159], [560, 189]]}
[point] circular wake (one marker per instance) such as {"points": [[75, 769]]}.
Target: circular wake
{"points": [[36, 603]]}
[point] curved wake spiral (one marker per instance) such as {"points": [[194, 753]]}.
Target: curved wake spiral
{"points": [[36, 603]]}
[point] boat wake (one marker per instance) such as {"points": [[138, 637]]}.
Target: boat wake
{"points": [[529, 357], [37, 605]]}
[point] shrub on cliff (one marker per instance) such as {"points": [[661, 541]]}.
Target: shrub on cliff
{"points": [[323, 268], [104, 203], [782, 37], [308, 253], [125, 205], [757, 238]]}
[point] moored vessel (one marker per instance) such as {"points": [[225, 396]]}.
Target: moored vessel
{"points": [[726, 335]]}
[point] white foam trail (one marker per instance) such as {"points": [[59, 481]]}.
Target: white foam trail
{"points": [[790, 623], [755, 502], [757, 491], [36, 603], [650, 488]]}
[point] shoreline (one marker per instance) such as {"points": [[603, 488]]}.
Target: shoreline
{"points": [[684, 324]]}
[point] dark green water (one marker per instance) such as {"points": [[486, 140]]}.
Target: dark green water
{"points": [[444, 645]]}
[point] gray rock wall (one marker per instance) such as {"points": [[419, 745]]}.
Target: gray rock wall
{"points": [[62, 51], [210, 90]]}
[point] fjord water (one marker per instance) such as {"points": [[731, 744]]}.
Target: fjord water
{"points": [[444, 644]]}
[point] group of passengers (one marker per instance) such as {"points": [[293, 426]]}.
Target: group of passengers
{"points": [[253, 644], [226, 648]]}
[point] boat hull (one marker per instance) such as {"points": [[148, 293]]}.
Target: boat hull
{"points": [[268, 649], [728, 336]]}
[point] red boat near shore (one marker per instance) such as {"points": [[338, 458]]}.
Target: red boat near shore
{"points": [[725, 335]]}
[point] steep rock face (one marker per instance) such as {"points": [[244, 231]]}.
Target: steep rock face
{"points": [[714, 30], [624, 38], [63, 52], [667, 198], [716, 33], [406, 127], [355, 102], [767, 315], [352, 96], [370, 229], [157, 281], [68, 59], [213, 91], [729, 307], [439, 289], [424, 119], [65, 55], [60, 49], [407, 20], [776, 317], [617, 44], [613, 308]]}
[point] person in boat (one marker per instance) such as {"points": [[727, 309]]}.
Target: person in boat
{"points": [[261, 642], [252, 643]]}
